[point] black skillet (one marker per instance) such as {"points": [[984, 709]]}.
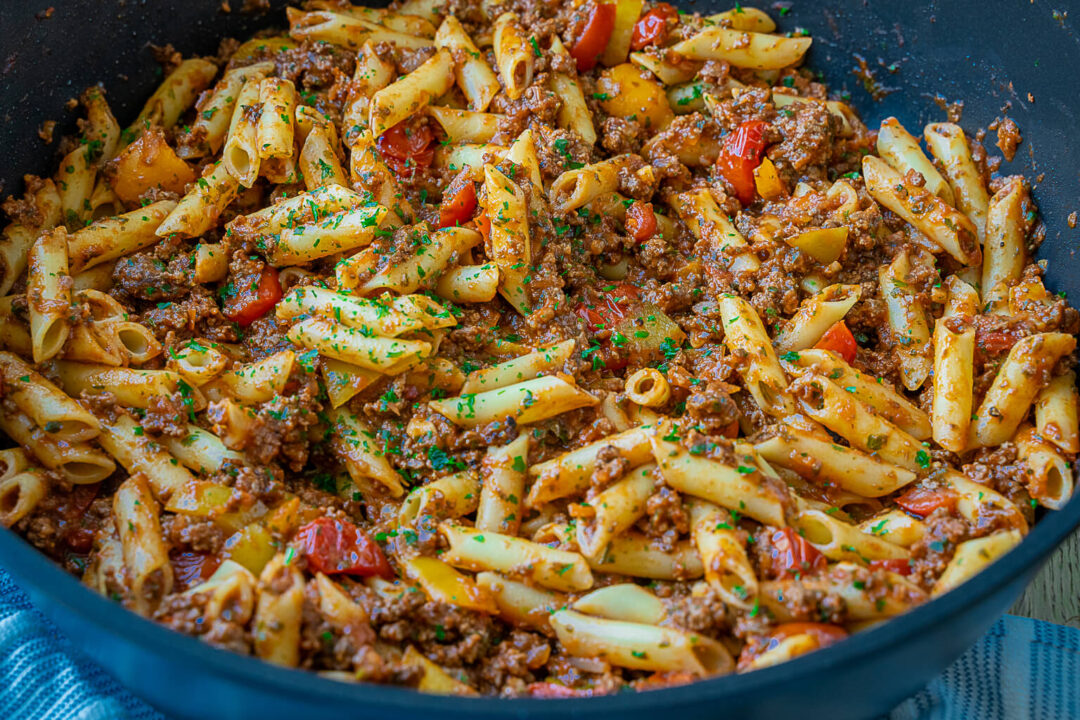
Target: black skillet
{"points": [[1020, 56]]}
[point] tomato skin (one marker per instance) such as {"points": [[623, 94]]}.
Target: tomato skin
{"points": [[922, 501], [594, 38], [900, 566], [407, 147], [652, 27], [483, 224], [612, 309], [839, 339], [641, 221], [337, 547], [791, 554], [740, 155], [193, 568], [251, 303], [458, 205]]}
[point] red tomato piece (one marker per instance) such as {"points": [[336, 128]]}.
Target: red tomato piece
{"points": [[900, 566], [612, 309], [839, 339], [458, 204], [731, 430], [483, 224], [741, 154], [594, 38], [641, 221], [337, 547], [253, 300], [193, 568], [652, 27], [791, 553], [923, 501], [407, 147]]}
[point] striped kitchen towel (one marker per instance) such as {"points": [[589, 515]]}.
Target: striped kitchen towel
{"points": [[1022, 669]]}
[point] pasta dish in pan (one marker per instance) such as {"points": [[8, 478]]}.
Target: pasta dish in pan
{"points": [[521, 348]]}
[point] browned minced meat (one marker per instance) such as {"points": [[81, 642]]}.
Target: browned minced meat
{"points": [[999, 469], [312, 65], [931, 554], [186, 613], [191, 533], [1008, 136], [161, 273], [167, 415], [666, 518]]}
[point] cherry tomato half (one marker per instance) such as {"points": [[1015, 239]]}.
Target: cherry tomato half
{"points": [[594, 38], [839, 340], [337, 547], [252, 300], [740, 155], [652, 27]]}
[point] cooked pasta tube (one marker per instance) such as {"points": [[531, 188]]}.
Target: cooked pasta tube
{"points": [[402, 98], [754, 50], [520, 369], [113, 237], [949, 229], [981, 505], [78, 463], [199, 210], [698, 209], [513, 56], [909, 331], [973, 556], [1056, 413], [278, 614], [815, 316], [834, 408], [838, 540], [901, 150], [616, 509], [760, 369], [451, 496], [504, 470], [648, 387], [949, 145], [146, 556], [127, 442], [471, 549], [573, 111], [175, 95], [341, 342], [1003, 250], [17, 238], [821, 460], [473, 74], [433, 252], [1048, 477], [1019, 379], [469, 283], [864, 601], [639, 646], [624, 601], [442, 583], [387, 317], [520, 603], [47, 405], [511, 247], [241, 153], [727, 568], [866, 388], [201, 451], [954, 353], [214, 111], [569, 473], [20, 495], [275, 131], [527, 402], [48, 294], [131, 387], [576, 188], [896, 526], [743, 487]]}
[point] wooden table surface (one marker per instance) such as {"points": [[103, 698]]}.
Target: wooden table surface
{"points": [[1054, 594]]}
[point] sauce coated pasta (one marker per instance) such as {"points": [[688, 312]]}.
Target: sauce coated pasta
{"points": [[519, 348]]}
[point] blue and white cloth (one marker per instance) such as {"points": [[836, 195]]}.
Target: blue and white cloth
{"points": [[1021, 669]]}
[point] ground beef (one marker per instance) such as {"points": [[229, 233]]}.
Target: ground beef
{"points": [[167, 415], [280, 428], [932, 554], [1008, 136], [620, 136], [666, 518], [193, 533], [161, 273], [312, 65]]}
